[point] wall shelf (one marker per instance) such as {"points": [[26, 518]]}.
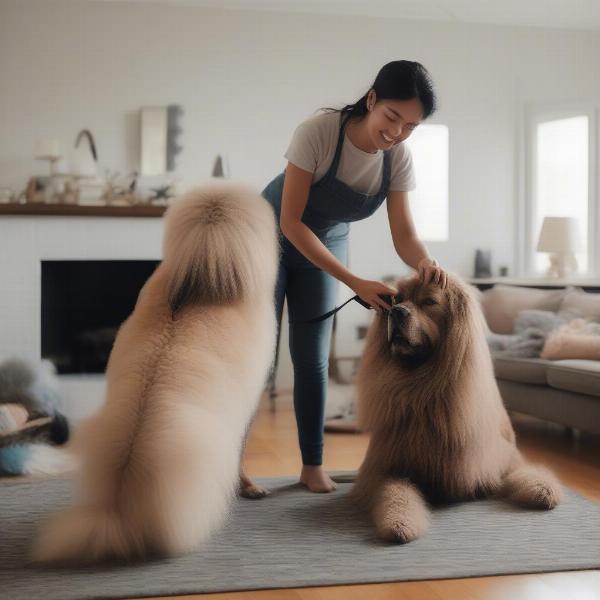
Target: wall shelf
{"points": [[81, 210]]}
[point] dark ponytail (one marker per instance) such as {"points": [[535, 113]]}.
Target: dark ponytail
{"points": [[397, 80]]}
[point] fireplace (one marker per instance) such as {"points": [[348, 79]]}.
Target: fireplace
{"points": [[83, 305]]}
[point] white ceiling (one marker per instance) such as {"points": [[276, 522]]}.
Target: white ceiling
{"points": [[567, 14]]}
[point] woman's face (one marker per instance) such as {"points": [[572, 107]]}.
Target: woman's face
{"points": [[389, 122]]}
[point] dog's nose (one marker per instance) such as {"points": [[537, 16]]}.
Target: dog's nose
{"points": [[401, 310]]}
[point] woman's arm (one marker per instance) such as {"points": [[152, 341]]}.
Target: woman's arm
{"points": [[408, 246], [296, 188]]}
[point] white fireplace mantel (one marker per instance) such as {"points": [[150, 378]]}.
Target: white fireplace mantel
{"points": [[26, 241]]}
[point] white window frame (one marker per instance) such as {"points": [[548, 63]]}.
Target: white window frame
{"points": [[534, 114]]}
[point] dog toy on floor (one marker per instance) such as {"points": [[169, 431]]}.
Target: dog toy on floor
{"points": [[29, 401]]}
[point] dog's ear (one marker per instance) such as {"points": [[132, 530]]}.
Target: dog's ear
{"points": [[457, 338]]}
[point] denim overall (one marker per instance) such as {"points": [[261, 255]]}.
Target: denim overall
{"points": [[311, 292]]}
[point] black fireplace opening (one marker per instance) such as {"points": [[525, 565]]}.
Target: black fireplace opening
{"points": [[84, 302]]}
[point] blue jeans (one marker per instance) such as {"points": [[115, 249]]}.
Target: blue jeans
{"points": [[310, 292]]}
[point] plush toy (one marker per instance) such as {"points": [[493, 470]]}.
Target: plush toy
{"points": [[29, 401]]}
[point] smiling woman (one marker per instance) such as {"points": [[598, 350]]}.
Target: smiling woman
{"points": [[342, 165], [392, 121]]}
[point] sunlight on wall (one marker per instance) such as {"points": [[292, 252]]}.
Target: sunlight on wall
{"points": [[429, 202]]}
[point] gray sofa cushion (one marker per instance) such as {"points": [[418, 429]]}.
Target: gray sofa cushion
{"points": [[524, 370], [559, 406], [581, 376]]}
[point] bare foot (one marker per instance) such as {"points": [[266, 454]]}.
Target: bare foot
{"points": [[316, 480], [250, 490]]}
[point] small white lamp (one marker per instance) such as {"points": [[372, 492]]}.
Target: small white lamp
{"points": [[560, 237], [49, 150]]}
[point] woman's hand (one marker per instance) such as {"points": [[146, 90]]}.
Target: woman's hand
{"points": [[370, 291], [430, 272]]}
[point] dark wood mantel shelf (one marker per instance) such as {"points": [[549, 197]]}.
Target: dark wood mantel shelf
{"points": [[77, 210]]}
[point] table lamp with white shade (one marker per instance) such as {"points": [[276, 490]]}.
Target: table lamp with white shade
{"points": [[49, 150], [560, 236]]}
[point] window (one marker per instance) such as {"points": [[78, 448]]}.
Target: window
{"points": [[429, 202], [561, 179], [558, 183]]}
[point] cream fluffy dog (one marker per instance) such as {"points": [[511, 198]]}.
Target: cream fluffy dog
{"points": [[160, 460], [440, 432]]}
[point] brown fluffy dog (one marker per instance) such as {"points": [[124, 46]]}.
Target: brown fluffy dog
{"points": [[440, 432], [159, 462]]}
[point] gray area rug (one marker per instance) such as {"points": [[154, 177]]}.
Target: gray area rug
{"points": [[294, 538]]}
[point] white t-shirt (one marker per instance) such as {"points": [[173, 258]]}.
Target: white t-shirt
{"points": [[313, 147]]}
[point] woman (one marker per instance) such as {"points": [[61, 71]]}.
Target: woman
{"points": [[342, 164]]}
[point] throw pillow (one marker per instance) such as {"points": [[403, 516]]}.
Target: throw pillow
{"points": [[503, 303]]}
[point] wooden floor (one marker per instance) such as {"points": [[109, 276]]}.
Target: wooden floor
{"points": [[272, 450]]}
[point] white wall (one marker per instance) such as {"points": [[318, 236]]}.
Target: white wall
{"points": [[246, 79], [25, 242]]}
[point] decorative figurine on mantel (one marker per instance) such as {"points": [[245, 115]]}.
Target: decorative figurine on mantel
{"points": [[66, 190], [162, 194], [56, 189], [36, 191], [120, 193], [8, 195]]}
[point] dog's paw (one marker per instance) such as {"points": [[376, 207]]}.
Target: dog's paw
{"points": [[533, 487], [253, 491], [400, 513], [543, 496], [398, 532]]}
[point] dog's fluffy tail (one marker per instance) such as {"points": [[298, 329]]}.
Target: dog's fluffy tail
{"points": [[216, 246], [83, 534], [162, 501]]}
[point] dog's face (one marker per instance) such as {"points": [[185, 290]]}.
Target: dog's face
{"points": [[416, 322]]}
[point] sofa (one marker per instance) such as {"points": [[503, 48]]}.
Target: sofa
{"points": [[564, 389]]}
